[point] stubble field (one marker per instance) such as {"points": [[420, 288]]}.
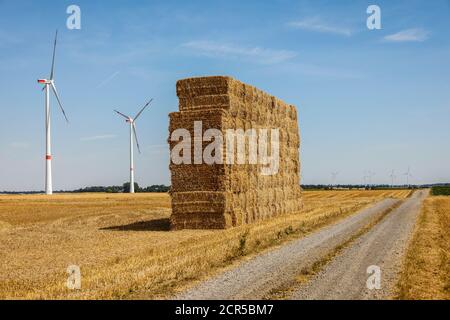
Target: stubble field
{"points": [[124, 248], [426, 271]]}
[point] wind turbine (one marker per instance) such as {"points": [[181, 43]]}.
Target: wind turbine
{"points": [[408, 175], [370, 175], [365, 179], [133, 136], [392, 175], [333, 177], [50, 83]]}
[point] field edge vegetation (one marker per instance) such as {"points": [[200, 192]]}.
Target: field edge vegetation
{"points": [[426, 268]]}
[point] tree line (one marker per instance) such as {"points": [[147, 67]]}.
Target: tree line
{"points": [[124, 188]]}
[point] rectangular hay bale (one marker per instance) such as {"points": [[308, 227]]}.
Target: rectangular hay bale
{"points": [[223, 195]]}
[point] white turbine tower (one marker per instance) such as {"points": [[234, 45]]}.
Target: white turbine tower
{"points": [[408, 175], [392, 175], [370, 175], [333, 178], [133, 136], [365, 179], [50, 84]]}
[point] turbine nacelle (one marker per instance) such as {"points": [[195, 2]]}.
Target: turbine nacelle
{"points": [[45, 81]]}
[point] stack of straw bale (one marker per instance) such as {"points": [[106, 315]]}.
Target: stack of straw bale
{"points": [[219, 196]]}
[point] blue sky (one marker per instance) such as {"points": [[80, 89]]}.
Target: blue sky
{"points": [[367, 99]]}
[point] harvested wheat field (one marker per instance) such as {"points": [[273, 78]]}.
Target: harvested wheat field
{"points": [[123, 245], [427, 264]]}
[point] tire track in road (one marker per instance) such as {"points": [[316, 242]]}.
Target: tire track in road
{"points": [[259, 276], [383, 246]]}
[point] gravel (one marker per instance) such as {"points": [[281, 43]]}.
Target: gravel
{"points": [[383, 246], [257, 277]]}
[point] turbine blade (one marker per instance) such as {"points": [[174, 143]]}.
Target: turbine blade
{"points": [[136, 138], [139, 113], [126, 117], [53, 59], [59, 101]]}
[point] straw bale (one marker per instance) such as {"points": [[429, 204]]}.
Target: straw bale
{"points": [[223, 195]]}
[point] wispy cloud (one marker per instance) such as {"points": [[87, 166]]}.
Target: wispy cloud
{"points": [[104, 82], [261, 55], [326, 72], [409, 35], [99, 137], [317, 25], [158, 149], [102, 53]]}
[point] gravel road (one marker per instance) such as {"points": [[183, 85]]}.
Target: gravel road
{"points": [[257, 277], [384, 246]]}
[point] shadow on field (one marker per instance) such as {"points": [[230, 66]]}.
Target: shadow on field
{"points": [[152, 225]]}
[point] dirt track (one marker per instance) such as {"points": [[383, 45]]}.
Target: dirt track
{"points": [[343, 278], [258, 277], [383, 246]]}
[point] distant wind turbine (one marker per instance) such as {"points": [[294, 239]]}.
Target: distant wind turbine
{"points": [[392, 175], [408, 175], [133, 136], [333, 177], [365, 179], [370, 175], [50, 83]]}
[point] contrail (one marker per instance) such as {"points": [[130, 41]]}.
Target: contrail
{"points": [[108, 79]]}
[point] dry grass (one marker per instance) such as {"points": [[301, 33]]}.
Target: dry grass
{"points": [[124, 248], [426, 271]]}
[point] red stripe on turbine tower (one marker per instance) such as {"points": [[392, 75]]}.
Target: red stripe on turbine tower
{"points": [[48, 157]]}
